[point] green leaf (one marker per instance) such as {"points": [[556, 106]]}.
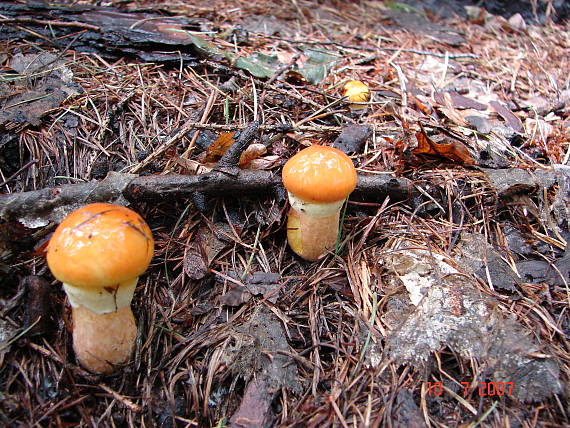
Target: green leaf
{"points": [[258, 64], [317, 65], [397, 6], [205, 47]]}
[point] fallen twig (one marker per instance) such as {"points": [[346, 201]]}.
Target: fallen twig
{"points": [[51, 23], [39, 207], [22, 169], [230, 159], [361, 48]]}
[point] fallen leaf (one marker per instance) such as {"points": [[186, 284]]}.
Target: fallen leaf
{"points": [[421, 105], [217, 149], [257, 283], [201, 308], [406, 413], [480, 123], [539, 128], [205, 47], [206, 246], [458, 101], [235, 297], [513, 121], [454, 115], [268, 24], [485, 262], [252, 152], [220, 146], [512, 181], [264, 163], [259, 64], [413, 267], [261, 356], [317, 65], [192, 167], [27, 101], [455, 150]]}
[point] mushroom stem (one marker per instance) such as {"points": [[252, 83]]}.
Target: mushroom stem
{"points": [[103, 341], [102, 300], [311, 237], [98, 252]]}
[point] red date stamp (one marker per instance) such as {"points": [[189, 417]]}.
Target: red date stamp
{"points": [[484, 389]]}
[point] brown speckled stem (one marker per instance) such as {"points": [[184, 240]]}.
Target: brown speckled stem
{"points": [[102, 342], [311, 237]]}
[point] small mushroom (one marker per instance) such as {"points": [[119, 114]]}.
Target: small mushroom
{"points": [[98, 252], [357, 92], [318, 179]]}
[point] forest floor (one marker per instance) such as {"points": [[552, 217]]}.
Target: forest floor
{"points": [[446, 300]]}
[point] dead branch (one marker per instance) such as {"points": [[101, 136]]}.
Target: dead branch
{"points": [[230, 159], [50, 23], [39, 207]]}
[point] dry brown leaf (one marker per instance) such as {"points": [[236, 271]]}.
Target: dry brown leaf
{"points": [[484, 261], [454, 115], [205, 247], [192, 167], [509, 117], [235, 297], [421, 106], [261, 356], [221, 145], [264, 163], [448, 109], [455, 150], [31, 101], [257, 283], [217, 149], [454, 99], [252, 152], [541, 129]]}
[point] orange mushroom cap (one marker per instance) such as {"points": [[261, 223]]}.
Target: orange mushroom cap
{"points": [[320, 174], [100, 245]]}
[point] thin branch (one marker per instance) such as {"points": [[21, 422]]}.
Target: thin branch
{"points": [[230, 158], [367, 49], [39, 207], [22, 169], [50, 23]]}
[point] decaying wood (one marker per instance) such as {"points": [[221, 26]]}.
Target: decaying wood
{"points": [[230, 159], [52, 204], [107, 31]]}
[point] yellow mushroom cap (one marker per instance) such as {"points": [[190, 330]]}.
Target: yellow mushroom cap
{"points": [[356, 91], [100, 245], [320, 174]]}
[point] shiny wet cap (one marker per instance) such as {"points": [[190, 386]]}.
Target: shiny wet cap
{"points": [[100, 245], [320, 174]]}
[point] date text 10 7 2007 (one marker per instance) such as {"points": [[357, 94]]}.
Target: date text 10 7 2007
{"points": [[482, 388]]}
